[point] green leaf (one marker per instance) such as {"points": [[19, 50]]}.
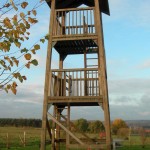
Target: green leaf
{"points": [[34, 62], [20, 78], [47, 37], [42, 40], [24, 50], [6, 90]]}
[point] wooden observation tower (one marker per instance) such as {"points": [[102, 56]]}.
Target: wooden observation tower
{"points": [[75, 28]]}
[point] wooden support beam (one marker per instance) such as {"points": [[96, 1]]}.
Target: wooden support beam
{"points": [[74, 37], [48, 129], [74, 70], [102, 70], [47, 77], [63, 127], [95, 146], [75, 99], [68, 127], [72, 125]]}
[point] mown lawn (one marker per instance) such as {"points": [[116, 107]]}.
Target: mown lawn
{"points": [[135, 144], [134, 147], [33, 140]]}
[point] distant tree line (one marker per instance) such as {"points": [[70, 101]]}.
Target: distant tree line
{"points": [[89, 126], [20, 122], [82, 125]]}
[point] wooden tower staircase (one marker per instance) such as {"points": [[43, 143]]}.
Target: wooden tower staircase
{"points": [[75, 29]]}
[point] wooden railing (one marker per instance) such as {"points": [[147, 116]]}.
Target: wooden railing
{"points": [[74, 21], [74, 82]]}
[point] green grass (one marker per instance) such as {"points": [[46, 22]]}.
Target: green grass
{"points": [[135, 144], [135, 147], [33, 140]]}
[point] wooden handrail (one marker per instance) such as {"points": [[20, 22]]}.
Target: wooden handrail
{"points": [[75, 9], [74, 70]]}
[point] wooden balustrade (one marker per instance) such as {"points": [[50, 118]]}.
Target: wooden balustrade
{"points": [[74, 21], [78, 82]]}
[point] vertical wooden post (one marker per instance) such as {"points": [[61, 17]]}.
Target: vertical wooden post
{"points": [[57, 128], [68, 127], [7, 141], [85, 75], [102, 73], [48, 67], [24, 139], [53, 130]]}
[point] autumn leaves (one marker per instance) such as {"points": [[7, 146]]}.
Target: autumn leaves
{"points": [[14, 30]]}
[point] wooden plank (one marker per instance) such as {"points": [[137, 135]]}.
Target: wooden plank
{"points": [[68, 127], [67, 131], [97, 146], [74, 70], [75, 99], [75, 37], [72, 125], [102, 70], [75, 9], [47, 78], [48, 129]]}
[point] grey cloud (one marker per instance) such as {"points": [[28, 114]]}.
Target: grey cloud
{"points": [[26, 104], [129, 86]]}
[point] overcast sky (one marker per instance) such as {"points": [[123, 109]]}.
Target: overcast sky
{"points": [[127, 44]]}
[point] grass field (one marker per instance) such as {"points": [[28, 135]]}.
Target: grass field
{"points": [[33, 140]]}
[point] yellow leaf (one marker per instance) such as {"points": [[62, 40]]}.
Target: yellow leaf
{"points": [[14, 90], [27, 56], [15, 75], [18, 44], [8, 86], [14, 85], [22, 15], [14, 5], [32, 20], [24, 4], [16, 62], [33, 51], [7, 23], [34, 12], [8, 59], [15, 20], [37, 46], [28, 65]]}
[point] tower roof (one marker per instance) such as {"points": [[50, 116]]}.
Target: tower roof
{"points": [[60, 4]]}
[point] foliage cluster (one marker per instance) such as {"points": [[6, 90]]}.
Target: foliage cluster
{"points": [[118, 124], [20, 122], [123, 133], [89, 126], [16, 21]]}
